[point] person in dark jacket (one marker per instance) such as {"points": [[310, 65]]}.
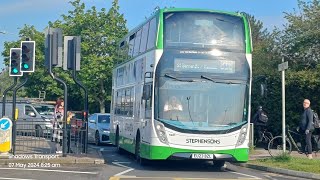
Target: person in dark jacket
{"points": [[306, 126], [259, 121]]}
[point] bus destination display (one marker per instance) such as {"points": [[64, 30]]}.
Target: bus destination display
{"points": [[204, 65]]}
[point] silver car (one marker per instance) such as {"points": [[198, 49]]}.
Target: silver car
{"points": [[99, 128]]}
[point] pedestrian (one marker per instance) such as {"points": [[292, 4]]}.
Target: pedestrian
{"points": [[69, 117], [306, 126], [58, 124]]}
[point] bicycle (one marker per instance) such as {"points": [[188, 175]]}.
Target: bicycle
{"points": [[265, 138], [275, 146]]}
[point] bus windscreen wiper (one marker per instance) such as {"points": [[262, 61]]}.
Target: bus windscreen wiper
{"points": [[226, 81], [175, 78]]}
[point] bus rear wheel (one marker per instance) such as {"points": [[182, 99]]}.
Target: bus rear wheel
{"points": [[120, 151]]}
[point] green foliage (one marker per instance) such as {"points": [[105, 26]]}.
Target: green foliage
{"points": [[284, 157], [300, 38], [100, 32], [299, 41], [39, 80]]}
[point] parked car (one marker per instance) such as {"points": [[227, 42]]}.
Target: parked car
{"points": [[99, 128], [29, 120], [45, 110]]}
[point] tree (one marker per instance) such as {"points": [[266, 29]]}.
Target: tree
{"points": [[300, 40], [100, 32], [39, 80]]}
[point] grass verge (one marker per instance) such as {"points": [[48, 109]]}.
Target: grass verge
{"points": [[292, 163]]}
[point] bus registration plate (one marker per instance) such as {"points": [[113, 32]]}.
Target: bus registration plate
{"points": [[202, 156]]}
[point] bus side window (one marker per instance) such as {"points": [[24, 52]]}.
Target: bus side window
{"points": [[131, 45], [137, 43], [152, 34], [144, 38], [118, 102]]}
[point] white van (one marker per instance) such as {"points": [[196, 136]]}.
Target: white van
{"points": [[29, 120]]}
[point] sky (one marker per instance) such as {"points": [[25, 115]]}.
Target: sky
{"points": [[15, 13]]}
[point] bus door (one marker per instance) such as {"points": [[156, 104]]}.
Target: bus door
{"points": [[146, 111]]}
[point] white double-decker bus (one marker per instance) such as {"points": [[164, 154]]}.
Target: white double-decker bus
{"points": [[182, 89]]}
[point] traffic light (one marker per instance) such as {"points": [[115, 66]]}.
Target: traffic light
{"points": [[15, 59], [28, 56]]}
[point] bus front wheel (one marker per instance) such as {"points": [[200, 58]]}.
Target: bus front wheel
{"points": [[219, 164], [139, 159]]}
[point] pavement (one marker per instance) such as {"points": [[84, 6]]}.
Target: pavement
{"points": [[93, 156]]}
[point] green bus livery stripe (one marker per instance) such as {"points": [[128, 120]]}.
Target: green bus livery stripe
{"points": [[247, 35], [159, 44], [164, 152]]}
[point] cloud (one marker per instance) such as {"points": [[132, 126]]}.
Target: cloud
{"points": [[19, 6]]}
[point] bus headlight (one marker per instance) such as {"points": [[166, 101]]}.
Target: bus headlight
{"points": [[161, 133], [242, 136]]}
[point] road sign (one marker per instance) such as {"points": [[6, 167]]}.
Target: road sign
{"points": [[283, 66], [5, 134]]}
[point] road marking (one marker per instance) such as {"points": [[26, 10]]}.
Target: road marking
{"points": [[15, 178], [121, 165], [50, 170], [254, 177], [160, 178], [270, 177]]}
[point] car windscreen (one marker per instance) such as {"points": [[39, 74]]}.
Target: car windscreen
{"points": [[103, 119]]}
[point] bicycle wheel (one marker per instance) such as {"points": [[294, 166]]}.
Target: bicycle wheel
{"points": [[275, 146]]}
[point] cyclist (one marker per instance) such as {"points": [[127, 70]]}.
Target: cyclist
{"points": [[260, 120]]}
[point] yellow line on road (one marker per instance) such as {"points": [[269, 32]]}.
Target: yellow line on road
{"points": [[114, 178], [173, 178]]}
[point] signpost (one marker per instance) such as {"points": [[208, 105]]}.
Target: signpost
{"points": [[5, 135], [282, 67]]}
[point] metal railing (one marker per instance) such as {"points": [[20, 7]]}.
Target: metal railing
{"points": [[37, 137]]}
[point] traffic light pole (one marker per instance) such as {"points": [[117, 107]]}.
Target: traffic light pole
{"points": [[74, 76], [5, 94], [14, 123], [64, 141]]}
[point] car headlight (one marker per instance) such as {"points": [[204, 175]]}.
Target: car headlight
{"points": [[105, 130]]}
